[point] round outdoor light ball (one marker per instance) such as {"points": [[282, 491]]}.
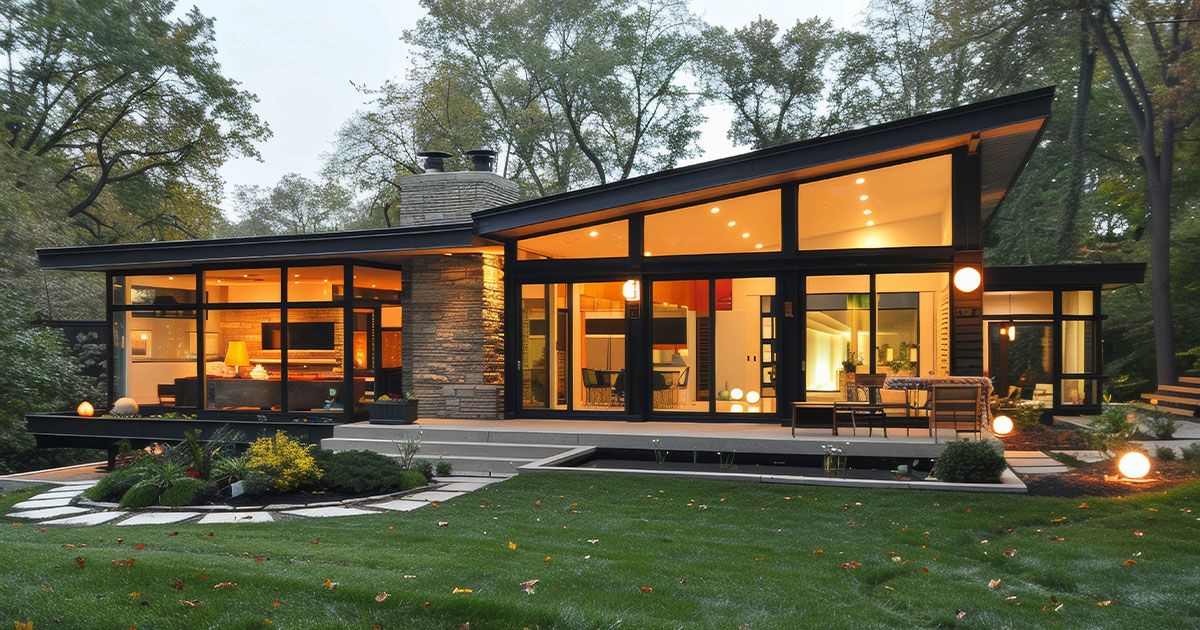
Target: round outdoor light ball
{"points": [[125, 406], [752, 397], [735, 393], [85, 409], [1002, 425], [967, 279], [736, 408], [1134, 465]]}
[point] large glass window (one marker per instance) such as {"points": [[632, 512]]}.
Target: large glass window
{"points": [[906, 205], [680, 333], [912, 324], [372, 284], [246, 374], [1018, 302], [746, 224], [155, 355], [838, 336], [316, 357], [607, 240], [598, 346], [1020, 362], [1077, 303], [161, 290], [544, 346], [227, 286], [745, 330], [316, 284]]}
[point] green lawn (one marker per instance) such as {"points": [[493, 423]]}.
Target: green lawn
{"points": [[717, 555]]}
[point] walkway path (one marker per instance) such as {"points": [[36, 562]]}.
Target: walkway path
{"points": [[60, 506]]}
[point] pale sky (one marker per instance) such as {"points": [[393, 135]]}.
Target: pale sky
{"points": [[302, 57]]}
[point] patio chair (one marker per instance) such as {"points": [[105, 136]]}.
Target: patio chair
{"points": [[870, 384], [618, 389], [660, 385], [166, 394], [681, 385], [954, 403], [595, 391]]}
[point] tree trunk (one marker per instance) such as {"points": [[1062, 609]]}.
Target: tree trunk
{"points": [[1073, 200], [1160, 279]]}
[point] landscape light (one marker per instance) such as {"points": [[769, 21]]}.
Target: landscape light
{"points": [[85, 409], [1134, 465], [1002, 425]]}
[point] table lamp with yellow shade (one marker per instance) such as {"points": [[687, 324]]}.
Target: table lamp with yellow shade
{"points": [[237, 355]]}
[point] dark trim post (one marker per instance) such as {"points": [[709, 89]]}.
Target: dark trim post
{"points": [[966, 319], [348, 399]]}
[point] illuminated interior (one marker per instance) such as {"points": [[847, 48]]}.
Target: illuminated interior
{"points": [[745, 224], [607, 240], [906, 205]]}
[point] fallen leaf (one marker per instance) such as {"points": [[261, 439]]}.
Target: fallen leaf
{"points": [[1104, 603], [178, 585], [135, 594], [124, 563], [224, 584], [888, 587], [457, 591], [1129, 562], [960, 614], [925, 569], [409, 577], [275, 603], [315, 542], [512, 545], [173, 534], [191, 602], [593, 540], [443, 523], [330, 584], [1084, 506], [547, 559], [1010, 552], [79, 561], [647, 589], [140, 546], [1137, 532], [993, 583], [381, 596]]}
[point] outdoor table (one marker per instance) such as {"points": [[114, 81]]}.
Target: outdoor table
{"points": [[926, 383]]}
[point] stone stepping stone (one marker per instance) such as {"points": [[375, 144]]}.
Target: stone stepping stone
{"points": [[39, 502], [158, 518], [433, 495], [49, 512], [401, 505], [323, 512], [95, 518], [1039, 470], [58, 494], [236, 517], [461, 486]]}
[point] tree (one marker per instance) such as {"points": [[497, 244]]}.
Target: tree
{"points": [[776, 83], [295, 205], [120, 95], [1160, 105]]}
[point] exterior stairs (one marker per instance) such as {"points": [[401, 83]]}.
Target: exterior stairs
{"points": [[1182, 399], [472, 452]]}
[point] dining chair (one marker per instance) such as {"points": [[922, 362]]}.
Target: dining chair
{"points": [[953, 402]]}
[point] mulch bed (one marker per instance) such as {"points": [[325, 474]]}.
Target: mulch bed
{"points": [[1045, 438], [1089, 480]]}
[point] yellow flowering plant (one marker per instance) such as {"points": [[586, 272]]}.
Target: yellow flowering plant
{"points": [[288, 463]]}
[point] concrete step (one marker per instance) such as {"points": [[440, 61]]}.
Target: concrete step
{"points": [[480, 466], [431, 449], [1187, 391], [452, 434]]}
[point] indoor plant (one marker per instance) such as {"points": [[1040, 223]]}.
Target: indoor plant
{"points": [[398, 410]]}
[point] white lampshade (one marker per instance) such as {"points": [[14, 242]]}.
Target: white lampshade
{"points": [[736, 393], [752, 397]]}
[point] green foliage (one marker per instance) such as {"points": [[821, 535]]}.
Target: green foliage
{"points": [[231, 469], [201, 455], [160, 472], [114, 485], [1161, 423], [444, 468], [408, 448], [1191, 455], [286, 462], [965, 461], [1111, 431], [423, 466], [1027, 416], [1164, 454], [362, 472], [189, 491], [295, 205], [141, 494]]}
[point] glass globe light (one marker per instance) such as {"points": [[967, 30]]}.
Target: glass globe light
{"points": [[1134, 465], [1002, 425]]}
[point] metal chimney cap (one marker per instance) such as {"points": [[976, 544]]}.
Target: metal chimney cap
{"points": [[435, 161], [482, 159]]}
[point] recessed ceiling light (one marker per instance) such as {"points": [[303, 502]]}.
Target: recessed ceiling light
{"points": [[715, 210], [745, 235], [862, 198], [646, 253], [372, 286], [245, 275], [731, 223], [870, 223], [860, 180], [326, 279], [170, 277], [593, 233], [758, 246], [218, 281], [296, 275], [866, 212]]}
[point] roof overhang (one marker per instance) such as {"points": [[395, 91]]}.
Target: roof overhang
{"points": [[1003, 131], [1049, 277], [382, 245]]}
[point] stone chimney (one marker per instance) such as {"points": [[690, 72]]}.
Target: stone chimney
{"points": [[436, 197], [453, 347]]}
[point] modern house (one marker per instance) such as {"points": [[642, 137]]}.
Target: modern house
{"points": [[722, 291]]}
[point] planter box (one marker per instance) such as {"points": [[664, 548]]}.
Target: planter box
{"points": [[393, 412]]}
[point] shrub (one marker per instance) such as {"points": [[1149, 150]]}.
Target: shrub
{"points": [[142, 494], [412, 479], [360, 472], [1164, 453], [113, 486], [1191, 455], [969, 462], [287, 462], [1161, 424], [423, 466], [1027, 416], [1111, 430], [189, 491], [230, 469], [444, 468]]}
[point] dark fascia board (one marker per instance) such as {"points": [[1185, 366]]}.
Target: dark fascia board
{"points": [[958, 121], [1083, 276], [282, 247]]}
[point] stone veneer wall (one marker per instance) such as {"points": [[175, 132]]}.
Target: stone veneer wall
{"points": [[453, 347], [445, 198]]}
